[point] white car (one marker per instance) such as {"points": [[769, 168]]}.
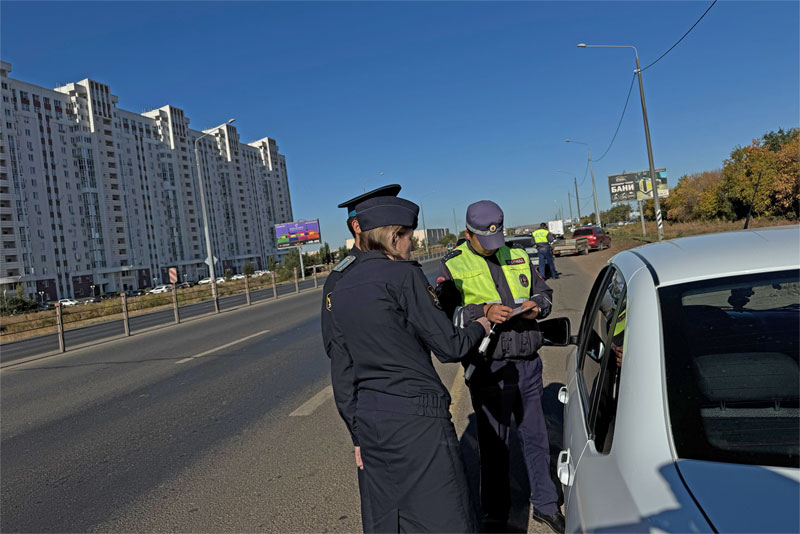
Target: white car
{"points": [[237, 277], [681, 408], [161, 289], [204, 281], [67, 302]]}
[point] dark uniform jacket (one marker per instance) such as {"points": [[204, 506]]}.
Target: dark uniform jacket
{"points": [[518, 338], [387, 317], [341, 363]]}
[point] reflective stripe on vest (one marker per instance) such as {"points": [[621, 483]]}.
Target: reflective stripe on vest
{"points": [[540, 235], [474, 280]]}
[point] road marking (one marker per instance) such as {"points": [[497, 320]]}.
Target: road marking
{"points": [[190, 358], [313, 403]]}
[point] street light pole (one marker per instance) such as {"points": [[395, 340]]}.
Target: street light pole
{"points": [[594, 189], [577, 198], [206, 225], [653, 181]]}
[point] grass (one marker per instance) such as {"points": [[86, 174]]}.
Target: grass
{"points": [[630, 236]]}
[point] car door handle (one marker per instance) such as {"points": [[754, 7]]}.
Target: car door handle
{"points": [[563, 395], [564, 469]]}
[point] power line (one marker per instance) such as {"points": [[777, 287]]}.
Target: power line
{"points": [[681, 39], [627, 98]]}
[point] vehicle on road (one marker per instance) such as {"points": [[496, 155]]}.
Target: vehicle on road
{"points": [[566, 247], [595, 236], [161, 289], [681, 405], [237, 277], [68, 302], [527, 242], [134, 293], [204, 281], [556, 227]]}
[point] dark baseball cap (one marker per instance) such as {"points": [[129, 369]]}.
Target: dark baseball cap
{"points": [[390, 190], [386, 211], [485, 220]]}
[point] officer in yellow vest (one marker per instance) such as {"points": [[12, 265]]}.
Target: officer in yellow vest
{"points": [[542, 238], [484, 278]]}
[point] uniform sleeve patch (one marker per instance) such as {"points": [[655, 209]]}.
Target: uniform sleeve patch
{"points": [[435, 299], [344, 264], [328, 301]]}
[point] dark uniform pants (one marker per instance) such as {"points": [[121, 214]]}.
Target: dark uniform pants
{"points": [[413, 470], [498, 390]]}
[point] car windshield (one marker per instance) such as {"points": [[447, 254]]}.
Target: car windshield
{"points": [[581, 232], [731, 349], [525, 242]]}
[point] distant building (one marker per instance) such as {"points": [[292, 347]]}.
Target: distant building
{"points": [[434, 235], [94, 195]]}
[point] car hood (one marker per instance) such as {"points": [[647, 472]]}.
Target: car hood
{"points": [[744, 498]]}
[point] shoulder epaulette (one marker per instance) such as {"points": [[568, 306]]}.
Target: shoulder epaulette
{"points": [[344, 264], [452, 254]]}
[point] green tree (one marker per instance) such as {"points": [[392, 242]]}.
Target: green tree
{"points": [[341, 253], [248, 269], [449, 238], [228, 274], [618, 213]]}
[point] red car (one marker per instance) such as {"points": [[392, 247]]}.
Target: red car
{"points": [[597, 238]]}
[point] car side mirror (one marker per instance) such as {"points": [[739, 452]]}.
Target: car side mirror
{"points": [[556, 332]]}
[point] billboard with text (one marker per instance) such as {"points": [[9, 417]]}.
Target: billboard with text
{"points": [[297, 233], [632, 186]]}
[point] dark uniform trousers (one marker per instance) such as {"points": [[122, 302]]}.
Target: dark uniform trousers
{"points": [[500, 389], [413, 471]]}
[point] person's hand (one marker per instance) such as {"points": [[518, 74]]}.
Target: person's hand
{"points": [[484, 322], [531, 309], [496, 313], [618, 352], [359, 461]]}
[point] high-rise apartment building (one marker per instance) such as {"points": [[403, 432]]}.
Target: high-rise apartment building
{"points": [[94, 198]]}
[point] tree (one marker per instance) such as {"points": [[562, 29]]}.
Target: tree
{"points": [[618, 213], [341, 253], [415, 242], [449, 238], [248, 269], [228, 274], [325, 255]]}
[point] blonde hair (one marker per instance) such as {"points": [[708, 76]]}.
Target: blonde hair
{"points": [[382, 239]]}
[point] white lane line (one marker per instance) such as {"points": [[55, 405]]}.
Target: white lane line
{"points": [[225, 346], [313, 403]]}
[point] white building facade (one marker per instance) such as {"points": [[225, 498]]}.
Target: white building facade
{"points": [[94, 198]]}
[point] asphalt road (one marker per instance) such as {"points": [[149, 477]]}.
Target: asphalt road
{"points": [[223, 423]]}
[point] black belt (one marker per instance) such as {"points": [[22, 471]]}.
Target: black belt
{"points": [[428, 405]]}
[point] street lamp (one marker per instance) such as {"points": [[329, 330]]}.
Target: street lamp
{"points": [[653, 182], [594, 189], [577, 198], [41, 296], [206, 226]]}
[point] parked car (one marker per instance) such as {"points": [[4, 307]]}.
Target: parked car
{"points": [[184, 285], [134, 293], [681, 403], [596, 237], [204, 281], [68, 302], [237, 277], [161, 289]]}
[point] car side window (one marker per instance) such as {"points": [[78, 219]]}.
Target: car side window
{"points": [[602, 348], [587, 364]]}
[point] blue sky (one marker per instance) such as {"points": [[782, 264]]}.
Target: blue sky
{"points": [[455, 101]]}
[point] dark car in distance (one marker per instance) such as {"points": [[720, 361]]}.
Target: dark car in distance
{"points": [[597, 238]]}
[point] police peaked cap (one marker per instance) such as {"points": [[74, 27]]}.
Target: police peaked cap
{"points": [[390, 190], [386, 211]]}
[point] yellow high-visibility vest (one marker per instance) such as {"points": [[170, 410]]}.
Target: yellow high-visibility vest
{"points": [[474, 280], [540, 235]]}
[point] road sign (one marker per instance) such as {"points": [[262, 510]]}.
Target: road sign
{"points": [[632, 186], [173, 275]]}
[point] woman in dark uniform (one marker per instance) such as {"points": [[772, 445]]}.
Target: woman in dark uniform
{"points": [[388, 319]]}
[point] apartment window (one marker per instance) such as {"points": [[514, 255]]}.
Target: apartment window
{"points": [[27, 130]]}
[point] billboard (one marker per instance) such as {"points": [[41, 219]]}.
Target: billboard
{"points": [[297, 233], [631, 186]]}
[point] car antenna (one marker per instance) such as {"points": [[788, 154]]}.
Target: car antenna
{"points": [[750, 210]]}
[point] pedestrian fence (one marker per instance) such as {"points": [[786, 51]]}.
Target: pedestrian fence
{"points": [[122, 308], [13, 328]]}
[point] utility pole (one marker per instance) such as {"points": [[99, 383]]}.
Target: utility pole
{"points": [[577, 199], [653, 181]]}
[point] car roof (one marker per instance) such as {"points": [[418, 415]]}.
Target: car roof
{"points": [[724, 254]]}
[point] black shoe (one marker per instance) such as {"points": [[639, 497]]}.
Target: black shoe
{"points": [[554, 521]]}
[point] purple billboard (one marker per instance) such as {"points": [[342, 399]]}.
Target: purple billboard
{"points": [[297, 233]]}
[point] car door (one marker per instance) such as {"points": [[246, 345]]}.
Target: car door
{"points": [[591, 406]]}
